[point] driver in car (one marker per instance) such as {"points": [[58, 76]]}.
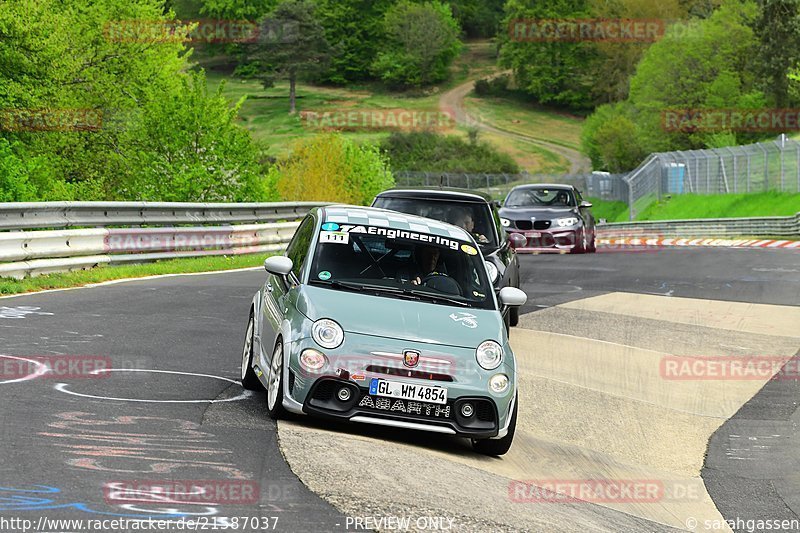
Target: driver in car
{"points": [[426, 259], [463, 218]]}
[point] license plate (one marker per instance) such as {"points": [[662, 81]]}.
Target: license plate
{"points": [[534, 235], [407, 391]]}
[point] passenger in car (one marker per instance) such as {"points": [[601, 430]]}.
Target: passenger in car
{"points": [[463, 218]]}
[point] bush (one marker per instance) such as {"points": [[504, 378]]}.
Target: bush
{"points": [[187, 147], [428, 151], [497, 86], [331, 168]]}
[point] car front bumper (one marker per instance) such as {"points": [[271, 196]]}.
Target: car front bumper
{"points": [[548, 241], [317, 394]]}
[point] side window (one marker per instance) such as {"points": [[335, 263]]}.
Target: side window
{"points": [[298, 248], [578, 196], [498, 226]]}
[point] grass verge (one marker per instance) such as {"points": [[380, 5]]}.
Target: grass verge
{"points": [[722, 206], [108, 273]]}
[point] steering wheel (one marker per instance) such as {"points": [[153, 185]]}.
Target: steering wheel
{"points": [[442, 283]]}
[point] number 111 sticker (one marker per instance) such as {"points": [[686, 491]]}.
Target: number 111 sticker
{"points": [[334, 237]]}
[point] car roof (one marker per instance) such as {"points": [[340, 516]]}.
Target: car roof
{"points": [[437, 193], [372, 216], [544, 186]]}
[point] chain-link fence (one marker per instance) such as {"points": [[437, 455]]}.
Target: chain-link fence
{"points": [[596, 185], [751, 168]]}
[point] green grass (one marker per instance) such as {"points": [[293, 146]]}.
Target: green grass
{"points": [[266, 111], [608, 210], [517, 116], [109, 273], [722, 206]]}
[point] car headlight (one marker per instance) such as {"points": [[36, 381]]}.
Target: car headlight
{"points": [[312, 360], [498, 383], [505, 222], [489, 355], [566, 222], [327, 333], [491, 269]]}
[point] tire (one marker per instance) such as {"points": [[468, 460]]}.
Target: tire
{"points": [[249, 379], [275, 384], [513, 317], [592, 244], [583, 244], [496, 447]]}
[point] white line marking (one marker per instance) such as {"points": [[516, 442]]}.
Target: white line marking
{"points": [[41, 369], [62, 387], [128, 280]]}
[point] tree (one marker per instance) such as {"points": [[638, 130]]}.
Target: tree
{"points": [[422, 40], [778, 30], [705, 64], [187, 146], [554, 73], [300, 47], [356, 26], [238, 9], [69, 57], [478, 18]]}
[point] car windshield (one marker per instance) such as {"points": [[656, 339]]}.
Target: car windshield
{"points": [[401, 264], [540, 198], [476, 218]]}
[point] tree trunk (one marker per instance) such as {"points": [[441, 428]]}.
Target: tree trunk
{"points": [[292, 93]]}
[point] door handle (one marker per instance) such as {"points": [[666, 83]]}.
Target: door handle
{"points": [[270, 288]]}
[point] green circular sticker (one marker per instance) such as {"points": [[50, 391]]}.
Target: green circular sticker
{"points": [[324, 275], [470, 250]]}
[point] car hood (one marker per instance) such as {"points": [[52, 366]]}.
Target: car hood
{"points": [[401, 319], [541, 213]]}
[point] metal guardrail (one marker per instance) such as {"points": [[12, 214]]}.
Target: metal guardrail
{"points": [[707, 228], [38, 215], [262, 228]]}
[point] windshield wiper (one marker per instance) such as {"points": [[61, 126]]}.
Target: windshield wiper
{"points": [[436, 297], [361, 287]]}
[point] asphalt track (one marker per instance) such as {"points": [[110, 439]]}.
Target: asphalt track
{"points": [[594, 406]]}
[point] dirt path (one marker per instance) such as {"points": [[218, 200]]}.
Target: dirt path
{"points": [[453, 101]]}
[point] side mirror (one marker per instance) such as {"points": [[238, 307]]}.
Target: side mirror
{"points": [[512, 297], [497, 203], [586, 204], [278, 265], [517, 240]]}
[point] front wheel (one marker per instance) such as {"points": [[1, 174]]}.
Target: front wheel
{"points": [[497, 447], [593, 244], [275, 384], [249, 379], [582, 246]]}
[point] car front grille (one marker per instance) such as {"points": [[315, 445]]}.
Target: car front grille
{"points": [[541, 224], [406, 373], [524, 224]]}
